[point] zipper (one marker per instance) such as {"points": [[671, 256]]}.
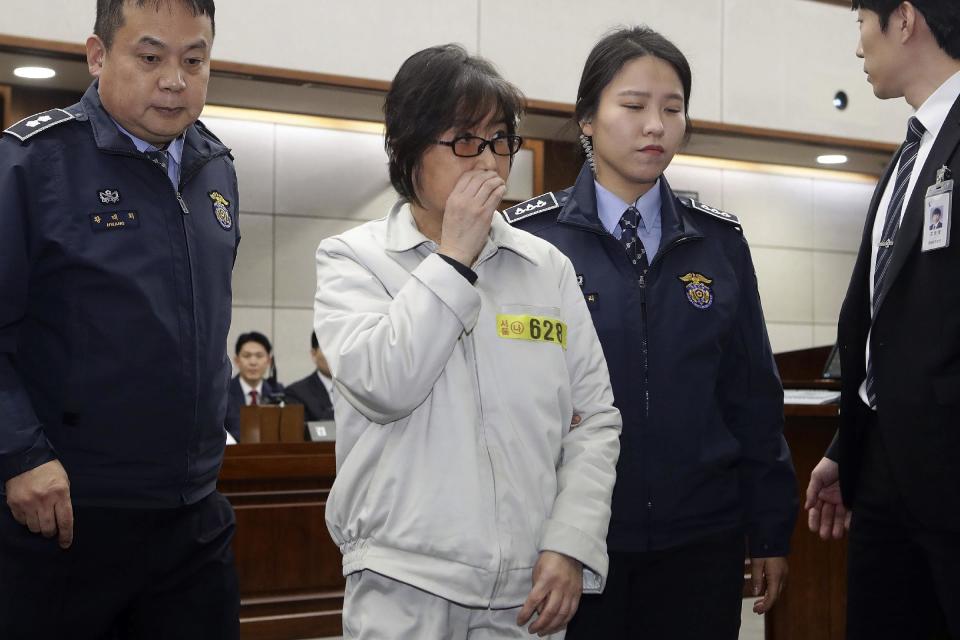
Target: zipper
{"points": [[185, 210], [472, 351], [642, 282], [645, 337]]}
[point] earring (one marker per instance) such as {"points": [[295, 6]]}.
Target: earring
{"points": [[587, 145]]}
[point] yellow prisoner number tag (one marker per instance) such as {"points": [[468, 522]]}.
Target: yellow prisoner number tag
{"points": [[534, 328]]}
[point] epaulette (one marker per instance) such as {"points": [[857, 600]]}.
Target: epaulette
{"points": [[533, 206], [204, 130], [32, 125], [690, 203]]}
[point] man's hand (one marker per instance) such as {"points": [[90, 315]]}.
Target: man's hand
{"points": [[825, 511], [468, 214], [40, 499], [768, 576], [557, 585]]}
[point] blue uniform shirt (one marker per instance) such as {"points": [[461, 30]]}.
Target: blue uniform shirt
{"points": [[174, 153], [610, 208]]}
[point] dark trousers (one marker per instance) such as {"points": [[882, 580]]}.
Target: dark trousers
{"points": [[130, 573], [691, 592], [903, 578]]}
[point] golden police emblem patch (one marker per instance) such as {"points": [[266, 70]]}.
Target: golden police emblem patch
{"points": [[698, 289], [221, 210]]}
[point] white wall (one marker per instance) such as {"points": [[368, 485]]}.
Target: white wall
{"points": [[766, 63]]}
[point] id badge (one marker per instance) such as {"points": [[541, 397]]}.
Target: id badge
{"points": [[937, 217]]}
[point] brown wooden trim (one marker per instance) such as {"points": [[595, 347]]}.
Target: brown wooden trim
{"points": [[812, 410], [257, 72], [548, 108], [780, 135], [294, 76], [6, 102], [538, 107], [565, 110], [35, 45]]}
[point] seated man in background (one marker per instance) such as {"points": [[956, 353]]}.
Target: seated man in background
{"points": [[314, 391], [251, 385]]}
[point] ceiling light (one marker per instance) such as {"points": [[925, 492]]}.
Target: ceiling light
{"points": [[832, 159], [34, 73]]}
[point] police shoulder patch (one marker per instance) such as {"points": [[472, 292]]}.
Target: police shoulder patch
{"points": [[532, 207], [696, 205], [32, 125]]}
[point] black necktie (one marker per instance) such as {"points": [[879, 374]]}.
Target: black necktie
{"points": [[891, 224], [630, 221], [159, 157]]}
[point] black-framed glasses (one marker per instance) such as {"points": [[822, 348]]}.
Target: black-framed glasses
{"points": [[472, 146]]}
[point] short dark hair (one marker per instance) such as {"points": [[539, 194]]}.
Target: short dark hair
{"points": [[942, 16], [253, 336], [615, 50], [314, 343], [437, 89], [110, 15]]}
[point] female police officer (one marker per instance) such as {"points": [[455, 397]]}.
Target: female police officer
{"points": [[460, 347], [672, 291]]}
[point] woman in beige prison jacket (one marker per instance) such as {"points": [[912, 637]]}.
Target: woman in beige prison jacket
{"points": [[457, 465]]}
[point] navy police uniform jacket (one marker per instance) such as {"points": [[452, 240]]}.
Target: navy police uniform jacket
{"points": [[115, 302], [702, 449]]}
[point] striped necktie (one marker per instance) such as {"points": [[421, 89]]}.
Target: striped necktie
{"points": [[891, 224]]}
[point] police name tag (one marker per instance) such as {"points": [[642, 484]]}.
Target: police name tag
{"points": [[533, 328], [114, 221], [937, 216]]}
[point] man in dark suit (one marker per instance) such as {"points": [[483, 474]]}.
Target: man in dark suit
{"points": [[251, 385], [896, 456], [313, 392]]}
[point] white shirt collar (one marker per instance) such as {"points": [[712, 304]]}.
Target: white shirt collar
{"points": [[933, 112], [247, 389], [610, 207], [327, 383]]}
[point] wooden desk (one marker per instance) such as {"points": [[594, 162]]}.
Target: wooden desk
{"points": [[289, 569], [814, 603], [815, 600]]}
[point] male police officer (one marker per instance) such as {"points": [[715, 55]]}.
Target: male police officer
{"points": [[119, 237]]}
